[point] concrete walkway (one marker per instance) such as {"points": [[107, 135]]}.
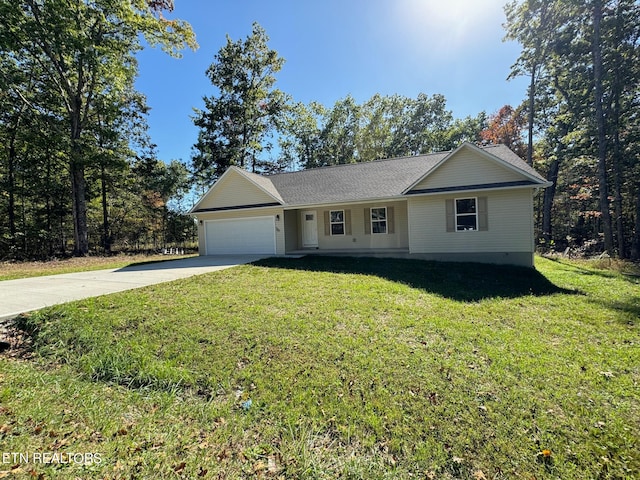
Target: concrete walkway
{"points": [[27, 294]]}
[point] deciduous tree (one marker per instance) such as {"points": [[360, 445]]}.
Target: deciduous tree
{"points": [[505, 127], [585, 58], [85, 50]]}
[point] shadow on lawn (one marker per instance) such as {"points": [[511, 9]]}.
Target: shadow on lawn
{"points": [[632, 276], [627, 309], [458, 281]]}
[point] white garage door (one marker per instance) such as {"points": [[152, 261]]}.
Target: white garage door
{"points": [[254, 235]]}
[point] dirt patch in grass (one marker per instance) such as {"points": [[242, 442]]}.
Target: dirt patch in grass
{"points": [[15, 342]]}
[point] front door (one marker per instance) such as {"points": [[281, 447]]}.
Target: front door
{"points": [[309, 229]]}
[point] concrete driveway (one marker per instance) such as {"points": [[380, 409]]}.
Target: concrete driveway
{"points": [[27, 294]]}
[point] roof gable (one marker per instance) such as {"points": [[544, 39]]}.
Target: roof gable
{"points": [[237, 188], [469, 166]]}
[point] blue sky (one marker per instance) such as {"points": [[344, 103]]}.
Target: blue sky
{"points": [[334, 48]]}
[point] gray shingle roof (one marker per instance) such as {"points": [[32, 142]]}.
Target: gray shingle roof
{"points": [[370, 180], [353, 182]]}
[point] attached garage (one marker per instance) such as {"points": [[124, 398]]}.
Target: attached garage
{"points": [[255, 235]]}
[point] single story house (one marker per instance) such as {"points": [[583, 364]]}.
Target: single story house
{"points": [[470, 204]]}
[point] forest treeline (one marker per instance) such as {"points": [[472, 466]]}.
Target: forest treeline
{"points": [[79, 174], [583, 124]]}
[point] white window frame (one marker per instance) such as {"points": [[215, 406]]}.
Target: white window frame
{"points": [[386, 221], [332, 223], [456, 214]]}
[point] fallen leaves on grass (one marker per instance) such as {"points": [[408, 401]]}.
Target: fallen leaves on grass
{"points": [[545, 457], [15, 470], [269, 467]]}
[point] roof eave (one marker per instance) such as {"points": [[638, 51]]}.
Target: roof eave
{"points": [[258, 206], [478, 188], [301, 206], [305, 206]]}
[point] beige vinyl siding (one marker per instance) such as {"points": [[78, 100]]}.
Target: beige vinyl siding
{"points": [[510, 224], [254, 212], [358, 238], [292, 229], [235, 190], [468, 168]]}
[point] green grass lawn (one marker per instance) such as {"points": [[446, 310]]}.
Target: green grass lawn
{"points": [[14, 270], [337, 368]]}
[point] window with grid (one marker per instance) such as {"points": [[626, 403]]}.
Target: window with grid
{"points": [[379, 220], [336, 219], [466, 214]]}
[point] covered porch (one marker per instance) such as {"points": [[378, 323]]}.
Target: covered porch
{"points": [[365, 229]]}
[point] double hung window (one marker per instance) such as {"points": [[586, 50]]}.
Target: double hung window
{"points": [[336, 219], [466, 214], [379, 220]]}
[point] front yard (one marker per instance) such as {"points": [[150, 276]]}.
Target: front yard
{"points": [[335, 367], [14, 270]]}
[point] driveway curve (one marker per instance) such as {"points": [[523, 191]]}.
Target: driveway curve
{"points": [[27, 294]]}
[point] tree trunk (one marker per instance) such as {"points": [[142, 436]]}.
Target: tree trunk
{"points": [[635, 243], [49, 209], [615, 112], [106, 236], [11, 187], [23, 213], [600, 122], [78, 187], [532, 95], [80, 228], [617, 199], [11, 178], [547, 206]]}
